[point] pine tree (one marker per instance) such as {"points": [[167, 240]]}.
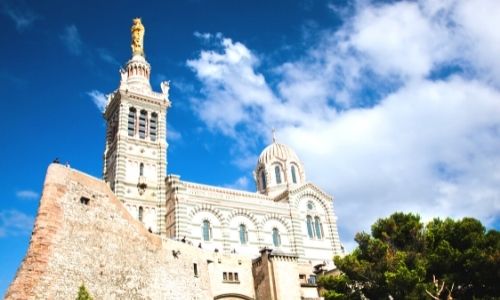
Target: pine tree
{"points": [[83, 294]]}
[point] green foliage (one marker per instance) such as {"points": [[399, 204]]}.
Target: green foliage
{"points": [[401, 255], [338, 288], [83, 294]]}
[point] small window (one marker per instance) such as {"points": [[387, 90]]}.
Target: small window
{"points": [[153, 126], [236, 277], [277, 171], [207, 231], [141, 169], [263, 179], [224, 276], [230, 276], [312, 279], [310, 232], [319, 228], [143, 117], [310, 205], [131, 121], [84, 200], [294, 177], [276, 237], [141, 213], [195, 269], [243, 234]]}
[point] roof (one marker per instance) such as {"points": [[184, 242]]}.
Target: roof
{"points": [[277, 151]]}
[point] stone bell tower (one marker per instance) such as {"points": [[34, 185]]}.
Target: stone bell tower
{"points": [[135, 158]]}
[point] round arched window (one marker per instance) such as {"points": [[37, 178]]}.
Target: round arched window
{"points": [[294, 176], [206, 230], [276, 237]]}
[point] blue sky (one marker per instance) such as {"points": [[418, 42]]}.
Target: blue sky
{"points": [[390, 105]]}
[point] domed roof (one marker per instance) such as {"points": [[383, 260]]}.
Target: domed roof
{"points": [[277, 151]]}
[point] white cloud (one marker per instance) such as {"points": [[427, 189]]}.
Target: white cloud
{"points": [[26, 194], [71, 39], [99, 99], [173, 135], [107, 57], [23, 18], [374, 111], [241, 183], [15, 223]]}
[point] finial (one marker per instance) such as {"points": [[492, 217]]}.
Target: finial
{"points": [[274, 135], [137, 31]]}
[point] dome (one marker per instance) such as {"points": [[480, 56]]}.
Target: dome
{"points": [[278, 168], [277, 151]]}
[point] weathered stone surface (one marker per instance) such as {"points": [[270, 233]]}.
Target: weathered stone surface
{"points": [[101, 245]]}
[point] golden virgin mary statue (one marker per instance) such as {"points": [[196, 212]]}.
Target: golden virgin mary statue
{"points": [[137, 31]]}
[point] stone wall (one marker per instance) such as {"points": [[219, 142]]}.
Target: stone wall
{"points": [[276, 276], [83, 234]]}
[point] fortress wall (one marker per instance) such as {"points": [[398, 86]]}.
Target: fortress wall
{"points": [[101, 245]]}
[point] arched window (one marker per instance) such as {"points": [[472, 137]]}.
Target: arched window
{"points": [[153, 124], [141, 213], [310, 230], [131, 121], [263, 179], [143, 117], [243, 234], [278, 174], [206, 231], [276, 237], [319, 228], [141, 169], [294, 177]]}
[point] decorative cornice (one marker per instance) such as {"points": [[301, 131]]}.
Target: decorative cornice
{"points": [[225, 191], [310, 186]]}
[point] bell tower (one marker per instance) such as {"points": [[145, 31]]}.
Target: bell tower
{"points": [[135, 157]]}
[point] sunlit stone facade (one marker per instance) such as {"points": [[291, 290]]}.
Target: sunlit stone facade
{"points": [[287, 213]]}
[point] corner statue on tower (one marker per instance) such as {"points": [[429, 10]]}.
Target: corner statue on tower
{"points": [[137, 31]]}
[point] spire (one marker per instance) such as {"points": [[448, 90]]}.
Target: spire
{"points": [[137, 71], [137, 32]]}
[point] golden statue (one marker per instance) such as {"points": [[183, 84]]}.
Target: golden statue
{"points": [[137, 31]]}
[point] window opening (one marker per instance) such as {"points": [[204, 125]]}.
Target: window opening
{"points": [[319, 227], [153, 125], [294, 178], [195, 269], [142, 124], [141, 169], [84, 200], [263, 179], [131, 121], [141, 213], [278, 174], [207, 231], [276, 237], [309, 222], [243, 234]]}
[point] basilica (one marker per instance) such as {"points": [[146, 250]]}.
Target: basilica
{"points": [[286, 212], [218, 242]]}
